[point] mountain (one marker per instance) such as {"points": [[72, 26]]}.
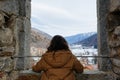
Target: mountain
{"points": [[90, 41], [39, 39], [38, 44], [78, 37]]}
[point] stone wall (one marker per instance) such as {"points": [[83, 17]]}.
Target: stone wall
{"points": [[109, 36], [102, 11], [14, 36], [113, 29], [87, 75]]}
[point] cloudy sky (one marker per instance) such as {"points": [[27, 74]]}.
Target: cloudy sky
{"points": [[64, 17]]}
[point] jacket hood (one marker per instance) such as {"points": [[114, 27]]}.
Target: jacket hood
{"points": [[59, 59]]}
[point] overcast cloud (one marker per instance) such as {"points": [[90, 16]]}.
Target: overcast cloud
{"points": [[64, 17]]}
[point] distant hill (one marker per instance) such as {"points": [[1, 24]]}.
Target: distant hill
{"points": [[39, 39], [90, 41], [38, 44], [78, 37]]}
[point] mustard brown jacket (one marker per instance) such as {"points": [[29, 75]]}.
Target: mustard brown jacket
{"points": [[60, 66]]}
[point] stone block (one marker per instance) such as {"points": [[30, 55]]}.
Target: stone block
{"points": [[23, 43], [6, 37], [3, 76], [92, 75], [114, 4], [87, 75], [6, 51], [114, 43], [117, 32], [102, 11], [6, 64], [9, 6], [7, 76]]}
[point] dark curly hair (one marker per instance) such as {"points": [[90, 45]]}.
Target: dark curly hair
{"points": [[58, 43]]}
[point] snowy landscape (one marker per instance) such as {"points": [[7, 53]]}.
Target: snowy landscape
{"points": [[83, 46], [85, 55]]}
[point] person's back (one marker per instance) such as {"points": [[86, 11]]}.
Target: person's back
{"points": [[58, 65]]}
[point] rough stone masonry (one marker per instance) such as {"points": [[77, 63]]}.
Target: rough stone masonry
{"points": [[14, 37], [15, 28]]}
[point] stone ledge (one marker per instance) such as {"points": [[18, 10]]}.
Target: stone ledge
{"points": [[87, 75]]}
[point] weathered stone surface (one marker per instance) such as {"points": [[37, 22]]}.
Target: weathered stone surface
{"points": [[108, 36], [25, 8], [14, 35], [6, 37], [114, 5], [15, 30], [9, 6], [114, 43], [87, 75], [102, 11], [23, 42], [27, 41], [92, 75], [6, 64], [113, 27], [28, 77], [116, 62], [13, 75], [7, 51], [117, 31], [3, 76]]}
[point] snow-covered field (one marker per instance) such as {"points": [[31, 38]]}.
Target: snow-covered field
{"points": [[85, 55], [79, 50]]}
